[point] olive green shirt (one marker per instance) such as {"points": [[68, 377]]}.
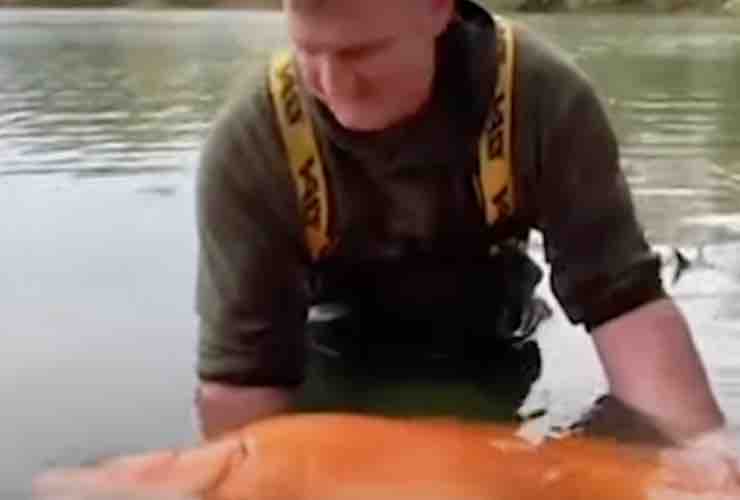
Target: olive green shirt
{"points": [[410, 227]]}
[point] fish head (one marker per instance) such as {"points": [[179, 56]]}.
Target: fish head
{"points": [[189, 474]]}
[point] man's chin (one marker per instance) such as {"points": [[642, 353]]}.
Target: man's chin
{"points": [[361, 122]]}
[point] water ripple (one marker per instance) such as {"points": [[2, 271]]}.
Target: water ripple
{"points": [[112, 171]]}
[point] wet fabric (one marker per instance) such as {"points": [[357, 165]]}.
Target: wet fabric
{"points": [[610, 417], [484, 380]]}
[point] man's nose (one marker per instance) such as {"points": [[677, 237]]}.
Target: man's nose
{"points": [[336, 79]]}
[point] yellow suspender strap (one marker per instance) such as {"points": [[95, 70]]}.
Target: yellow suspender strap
{"points": [[495, 144], [303, 154]]}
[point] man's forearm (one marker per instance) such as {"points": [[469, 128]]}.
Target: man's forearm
{"points": [[221, 408], [652, 364]]}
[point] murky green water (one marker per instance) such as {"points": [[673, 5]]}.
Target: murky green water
{"points": [[101, 117]]}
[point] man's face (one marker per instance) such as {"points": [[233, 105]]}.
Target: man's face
{"points": [[371, 62]]}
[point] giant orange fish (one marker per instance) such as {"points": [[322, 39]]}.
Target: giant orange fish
{"points": [[353, 457]]}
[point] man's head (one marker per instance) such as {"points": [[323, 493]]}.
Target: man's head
{"points": [[370, 62]]}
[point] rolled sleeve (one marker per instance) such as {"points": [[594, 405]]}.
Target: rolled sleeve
{"points": [[250, 294], [602, 265]]}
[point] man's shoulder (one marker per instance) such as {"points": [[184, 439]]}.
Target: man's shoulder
{"points": [[246, 113], [244, 136], [546, 69]]}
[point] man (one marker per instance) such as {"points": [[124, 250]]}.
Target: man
{"points": [[398, 93]]}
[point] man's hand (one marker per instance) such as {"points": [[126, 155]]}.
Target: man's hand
{"points": [[709, 462], [655, 371], [222, 408]]}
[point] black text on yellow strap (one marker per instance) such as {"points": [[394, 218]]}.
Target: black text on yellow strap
{"points": [[310, 199]]}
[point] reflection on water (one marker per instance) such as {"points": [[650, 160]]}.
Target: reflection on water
{"points": [[125, 92], [101, 117], [670, 85]]}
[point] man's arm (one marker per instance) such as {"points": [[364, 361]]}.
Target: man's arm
{"points": [[604, 272], [652, 366], [250, 293], [222, 408]]}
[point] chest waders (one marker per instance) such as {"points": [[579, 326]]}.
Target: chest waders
{"points": [[493, 389]]}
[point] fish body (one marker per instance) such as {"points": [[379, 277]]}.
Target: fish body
{"points": [[353, 457]]}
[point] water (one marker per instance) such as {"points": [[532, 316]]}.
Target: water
{"points": [[101, 117]]}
